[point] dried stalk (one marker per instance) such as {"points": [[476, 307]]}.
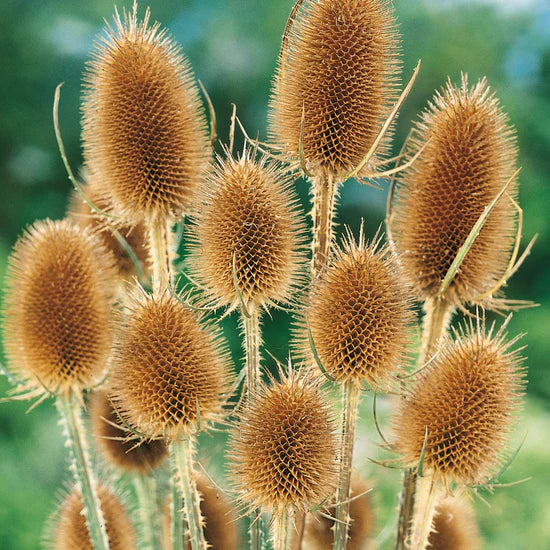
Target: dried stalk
{"points": [[283, 530], [160, 237]]}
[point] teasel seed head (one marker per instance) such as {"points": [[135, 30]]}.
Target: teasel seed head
{"points": [[132, 455], [143, 124], [71, 531], [169, 370], [284, 447], [248, 234], [339, 66], [465, 400], [469, 155], [359, 315], [58, 317]]}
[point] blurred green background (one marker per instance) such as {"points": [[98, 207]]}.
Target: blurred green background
{"points": [[233, 46]]}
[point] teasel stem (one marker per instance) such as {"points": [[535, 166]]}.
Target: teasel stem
{"points": [[145, 488], [324, 190], [69, 407], [350, 403], [283, 530], [437, 316], [160, 242], [176, 527], [183, 450], [428, 491]]}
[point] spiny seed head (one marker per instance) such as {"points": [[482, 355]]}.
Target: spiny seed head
{"points": [[168, 368], [339, 67], [469, 156], [135, 235], [58, 316], [71, 531], [465, 399], [143, 124], [319, 533], [131, 455], [455, 526], [248, 233], [359, 315], [284, 447]]}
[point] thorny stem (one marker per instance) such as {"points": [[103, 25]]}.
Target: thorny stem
{"points": [[69, 407], [350, 402], [283, 530], [183, 450], [428, 491], [176, 528], [160, 237], [147, 505]]}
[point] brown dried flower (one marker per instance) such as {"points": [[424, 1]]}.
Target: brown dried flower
{"points": [[469, 155], [143, 123], [168, 368], [339, 66], [58, 317]]}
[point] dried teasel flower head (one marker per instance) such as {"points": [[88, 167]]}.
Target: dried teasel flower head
{"points": [[131, 455], [58, 316], [143, 123], [134, 235], [469, 156], [169, 370], [220, 525], [71, 531], [454, 526], [284, 447], [248, 234], [359, 315], [319, 531], [465, 400], [338, 72]]}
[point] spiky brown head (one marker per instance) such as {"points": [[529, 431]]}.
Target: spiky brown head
{"points": [[143, 124], [168, 368], [469, 156], [465, 399], [339, 65], [132, 455], [359, 315], [284, 447], [71, 531], [248, 233], [58, 317]]}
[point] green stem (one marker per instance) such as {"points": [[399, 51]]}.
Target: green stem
{"points": [[283, 530], [145, 487], [69, 407], [183, 450], [161, 254], [350, 403], [176, 525]]}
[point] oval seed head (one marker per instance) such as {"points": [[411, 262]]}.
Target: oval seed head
{"points": [[284, 447], [465, 399], [220, 520], [132, 455], [71, 531], [58, 317], [168, 368], [469, 156], [135, 235], [248, 234], [359, 315], [319, 533], [339, 66], [454, 526], [143, 123]]}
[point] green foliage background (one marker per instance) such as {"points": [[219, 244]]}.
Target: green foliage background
{"points": [[233, 46]]}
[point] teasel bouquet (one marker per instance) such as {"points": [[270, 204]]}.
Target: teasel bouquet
{"points": [[98, 316]]}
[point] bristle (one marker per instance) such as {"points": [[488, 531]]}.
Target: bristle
{"points": [[359, 315], [465, 399], [169, 370], [220, 529], [469, 156], [71, 532], [58, 316], [248, 215], [339, 66], [143, 124], [135, 236], [319, 534], [132, 455], [284, 447], [455, 526]]}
